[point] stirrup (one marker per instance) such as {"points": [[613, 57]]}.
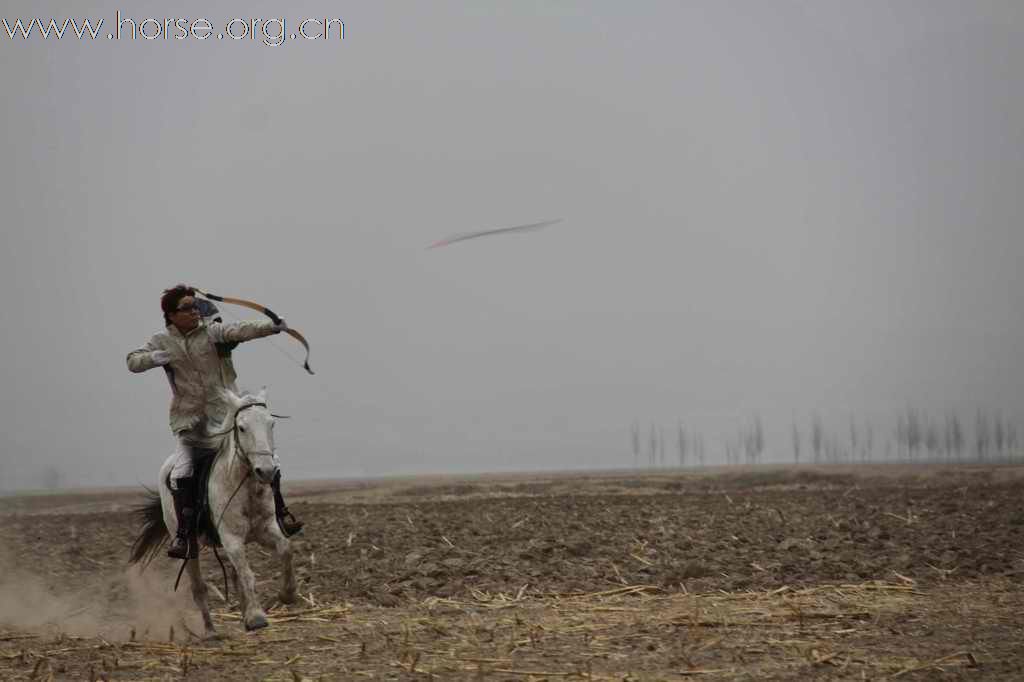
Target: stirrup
{"points": [[185, 534], [289, 528], [183, 548]]}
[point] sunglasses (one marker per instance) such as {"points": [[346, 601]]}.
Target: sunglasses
{"points": [[187, 308]]}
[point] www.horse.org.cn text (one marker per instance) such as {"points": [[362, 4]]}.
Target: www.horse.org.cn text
{"points": [[270, 32]]}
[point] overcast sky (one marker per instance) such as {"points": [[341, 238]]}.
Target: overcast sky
{"points": [[769, 208]]}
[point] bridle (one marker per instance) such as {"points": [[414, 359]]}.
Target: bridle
{"points": [[246, 458], [234, 431]]}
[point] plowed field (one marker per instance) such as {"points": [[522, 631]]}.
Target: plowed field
{"points": [[824, 573]]}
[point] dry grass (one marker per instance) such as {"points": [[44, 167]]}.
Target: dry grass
{"points": [[617, 634]]}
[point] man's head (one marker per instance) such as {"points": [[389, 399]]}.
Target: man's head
{"points": [[179, 306]]}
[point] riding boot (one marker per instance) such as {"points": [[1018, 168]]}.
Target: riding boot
{"points": [[184, 546], [285, 519]]}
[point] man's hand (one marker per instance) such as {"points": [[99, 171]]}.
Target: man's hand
{"points": [[281, 326], [160, 357]]}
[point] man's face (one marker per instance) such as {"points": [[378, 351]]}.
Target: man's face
{"points": [[186, 315]]}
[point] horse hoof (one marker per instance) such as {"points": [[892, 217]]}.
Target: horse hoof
{"points": [[213, 636], [256, 623], [288, 597]]}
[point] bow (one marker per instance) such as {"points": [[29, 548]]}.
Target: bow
{"points": [[294, 333]]}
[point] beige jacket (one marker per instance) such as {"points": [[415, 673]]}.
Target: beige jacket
{"points": [[198, 373]]}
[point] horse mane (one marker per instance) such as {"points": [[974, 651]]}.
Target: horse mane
{"points": [[228, 422], [224, 429], [226, 425]]}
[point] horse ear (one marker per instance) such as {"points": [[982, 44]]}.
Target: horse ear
{"points": [[262, 397]]}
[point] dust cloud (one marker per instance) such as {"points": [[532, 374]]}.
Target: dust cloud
{"points": [[117, 606]]}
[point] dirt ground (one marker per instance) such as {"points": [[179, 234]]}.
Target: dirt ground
{"points": [[771, 573]]}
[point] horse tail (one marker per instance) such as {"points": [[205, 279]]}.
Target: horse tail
{"points": [[154, 531]]}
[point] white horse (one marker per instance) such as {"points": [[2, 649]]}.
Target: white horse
{"points": [[241, 509]]}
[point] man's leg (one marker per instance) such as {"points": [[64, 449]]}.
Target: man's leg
{"points": [[183, 545], [289, 524]]}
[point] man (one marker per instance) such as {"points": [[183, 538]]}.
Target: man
{"points": [[196, 355]]}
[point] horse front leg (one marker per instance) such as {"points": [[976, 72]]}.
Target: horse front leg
{"points": [[199, 596], [289, 592], [236, 584], [252, 613], [273, 539]]}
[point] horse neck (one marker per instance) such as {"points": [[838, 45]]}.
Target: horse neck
{"points": [[234, 466]]}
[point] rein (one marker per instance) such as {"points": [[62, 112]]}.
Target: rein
{"points": [[248, 465], [245, 457]]}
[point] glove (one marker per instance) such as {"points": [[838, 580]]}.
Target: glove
{"points": [[160, 357], [281, 327]]}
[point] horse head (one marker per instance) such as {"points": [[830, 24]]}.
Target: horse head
{"points": [[253, 426]]}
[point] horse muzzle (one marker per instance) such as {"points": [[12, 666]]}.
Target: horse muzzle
{"points": [[265, 472]]}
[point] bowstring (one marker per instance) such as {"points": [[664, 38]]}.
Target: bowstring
{"points": [[279, 349]]}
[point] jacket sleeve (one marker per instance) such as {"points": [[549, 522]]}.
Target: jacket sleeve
{"points": [[140, 359], [236, 332]]}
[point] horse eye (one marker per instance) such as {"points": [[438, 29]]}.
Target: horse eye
{"points": [[242, 429]]}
